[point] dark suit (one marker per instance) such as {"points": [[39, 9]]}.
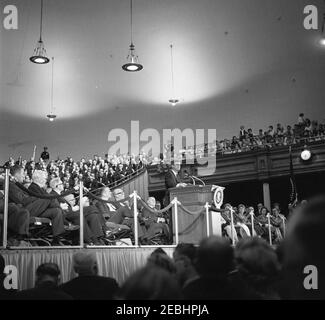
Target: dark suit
{"points": [[151, 224], [124, 215], [38, 207], [45, 291], [171, 180], [18, 217], [91, 288], [92, 221]]}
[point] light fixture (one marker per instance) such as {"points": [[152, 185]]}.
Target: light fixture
{"points": [[173, 101], [51, 116], [305, 154], [39, 56], [133, 64]]}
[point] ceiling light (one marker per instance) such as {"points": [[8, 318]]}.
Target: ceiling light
{"points": [[132, 64], [39, 56], [51, 117]]}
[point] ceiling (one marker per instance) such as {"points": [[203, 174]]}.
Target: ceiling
{"points": [[236, 62]]}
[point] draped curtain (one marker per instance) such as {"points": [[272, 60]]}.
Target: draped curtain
{"points": [[117, 263]]}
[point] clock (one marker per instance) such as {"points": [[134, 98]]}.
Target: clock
{"points": [[305, 155]]}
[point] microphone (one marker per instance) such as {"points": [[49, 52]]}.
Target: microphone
{"points": [[198, 179]]}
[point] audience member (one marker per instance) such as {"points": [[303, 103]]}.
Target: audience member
{"points": [[88, 285], [214, 261], [46, 285]]}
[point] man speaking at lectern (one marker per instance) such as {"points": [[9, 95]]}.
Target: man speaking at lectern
{"points": [[172, 178]]}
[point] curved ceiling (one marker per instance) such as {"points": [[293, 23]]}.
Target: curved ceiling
{"points": [[230, 57]]}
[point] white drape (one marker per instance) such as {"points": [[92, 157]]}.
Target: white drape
{"points": [[118, 263]]}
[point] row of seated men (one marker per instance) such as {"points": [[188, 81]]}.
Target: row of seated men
{"points": [[100, 217]]}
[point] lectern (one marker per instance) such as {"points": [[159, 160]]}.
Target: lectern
{"points": [[192, 225]]}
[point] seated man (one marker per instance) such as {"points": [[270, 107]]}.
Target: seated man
{"points": [[93, 228], [92, 223], [45, 208], [107, 209], [153, 223], [18, 219], [124, 212]]}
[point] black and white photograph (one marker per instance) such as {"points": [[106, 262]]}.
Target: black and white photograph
{"points": [[162, 155]]}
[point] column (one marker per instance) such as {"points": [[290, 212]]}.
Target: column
{"points": [[266, 195]]}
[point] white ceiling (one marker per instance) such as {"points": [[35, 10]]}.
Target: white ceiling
{"points": [[234, 61]]}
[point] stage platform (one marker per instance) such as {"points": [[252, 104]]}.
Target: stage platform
{"points": [[114, 262]]}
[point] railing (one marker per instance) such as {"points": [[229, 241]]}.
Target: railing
{"points": [[212, 149], [135, 198]]}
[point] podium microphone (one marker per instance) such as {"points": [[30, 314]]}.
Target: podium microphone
{"points": [[198, 179], [191, 177]]}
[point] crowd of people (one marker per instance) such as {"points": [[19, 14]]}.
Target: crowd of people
{"points": [[303, 131], [242, 222], [211, 271], [96, 172], [107, 216]]}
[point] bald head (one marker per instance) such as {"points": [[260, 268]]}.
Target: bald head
{"points": [[85, 263]]}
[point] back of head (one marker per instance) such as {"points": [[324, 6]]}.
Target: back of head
{"points": [[85, 263], [162, 261], [214, 257], [47, 272], [185, 249], [15, 169], [150, 283], [257, 260]]}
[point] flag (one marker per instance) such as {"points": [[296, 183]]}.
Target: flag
{"points": [[293, 199]]}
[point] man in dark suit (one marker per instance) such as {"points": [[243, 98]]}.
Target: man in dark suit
{"points": [[18, 219], [172, 178], [45, 155], [124, 213], [154, 224], [46, 286], [92, 223], [89, 285], [44, 208], [242, 133]]}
